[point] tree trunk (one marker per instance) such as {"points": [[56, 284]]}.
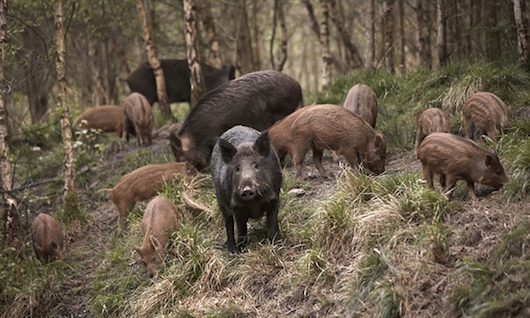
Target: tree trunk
{"points": [[422, 13], [324, 38], [370, 35], [388, 27], [256, 34], [402, 60], [245, 58], [11, 231], [441, 39], [521, 22], [198, 87], [352, 52], [205, 14], [70, 196], [313, 19], [95, 87], [153, 60], [278, 15]]}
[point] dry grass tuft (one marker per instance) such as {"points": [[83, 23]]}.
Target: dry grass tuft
{"points": [[157, 298]]}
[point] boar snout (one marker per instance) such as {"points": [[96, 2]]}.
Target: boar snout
{"points": [[247, 194]]}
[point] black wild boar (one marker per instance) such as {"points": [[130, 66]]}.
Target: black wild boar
{"points": [[455, 158], [362, 101], [331, 127], [257, 100], [485, 113], [138, 114], [177, 77], [47, 238], [247, 176], [431, 120]]}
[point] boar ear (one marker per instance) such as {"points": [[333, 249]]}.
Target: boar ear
{"points": [[54, 245], [228, 151], [379, 140], [262, 144], [489, 160]]}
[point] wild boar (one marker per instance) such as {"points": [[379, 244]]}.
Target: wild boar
{"points": [[144, 183], [256, 100], [160, 220], [138, 114], [361, 100], [431, 120], [332, 127], [456, 158], [280, 134], [485, 113], [47, 238], [247, 176], [107, 118], [177, 77]]}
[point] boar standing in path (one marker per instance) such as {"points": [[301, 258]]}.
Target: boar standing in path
{"points": [[177, 78], [485, 113], [431, 120], [361, 100], [455, 158], [138, 114], [247, 176], [144, 183], [159, 220], [47, 238], [280, 134], [331, 127], [257, 100]]}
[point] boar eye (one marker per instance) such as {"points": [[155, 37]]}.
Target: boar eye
{"points": [[255, 165], [238, 168]]}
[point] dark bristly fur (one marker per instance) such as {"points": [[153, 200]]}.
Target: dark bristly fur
{"points": [[485, 113], [455, 158], [361, 100], [247, 176], [256, 100]]}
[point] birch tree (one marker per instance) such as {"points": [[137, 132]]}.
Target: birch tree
{"points": [[153, 59], [11, 216], [70, 195], [198, 87], [388, 30], [441, 38], [324, 40], [521, 22]]}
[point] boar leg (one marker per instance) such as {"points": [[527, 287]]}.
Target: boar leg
{"points": [[317, 160], [427, 174], [471, 190], [298, 159], [442, 180], [229, 224], [241, 222], [272, 222], [469, 126]]}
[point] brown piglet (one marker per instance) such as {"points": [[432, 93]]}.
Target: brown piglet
{"points": [[159, 220], [138, 114], [431, 120], [48, 240], [361, 100], [144, 183], [107, 118], [456, 158], [485, 113], [331, 127]]}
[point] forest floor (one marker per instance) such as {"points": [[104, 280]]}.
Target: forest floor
{"points": [[473, 233]]}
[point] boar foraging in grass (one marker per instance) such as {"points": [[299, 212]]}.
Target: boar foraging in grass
{"points": [[256, 100], [485, 113], [177, 78], [247, 176], [331, 127], [144, 183], [431, 120], [361, 100], [159, 220], [47, 238], [455, 158], [138, 114], [107, 118]]}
